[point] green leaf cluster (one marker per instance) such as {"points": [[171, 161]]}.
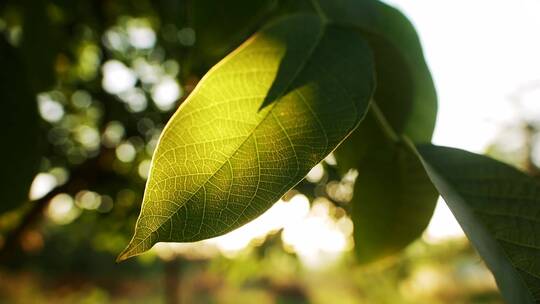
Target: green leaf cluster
{"points": [[338, 76]]}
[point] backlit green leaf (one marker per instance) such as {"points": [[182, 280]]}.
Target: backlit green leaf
{"points": [[498, 207], [19, 152], [251, 130]]}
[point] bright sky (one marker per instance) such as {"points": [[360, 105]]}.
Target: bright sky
{"points": [[480, 52]]}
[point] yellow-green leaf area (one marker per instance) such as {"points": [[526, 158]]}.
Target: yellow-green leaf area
{"points": [[254, 126]]}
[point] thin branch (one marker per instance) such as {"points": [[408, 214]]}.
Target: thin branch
{"points": [[319, 10], [387, 129]]}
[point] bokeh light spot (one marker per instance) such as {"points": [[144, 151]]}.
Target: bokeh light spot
{"points": [[61, 209], [42, 184], [125, 152], [166, 93], [144, 169], [113, 134], [140, 36], [117, 77], [49, 109]]}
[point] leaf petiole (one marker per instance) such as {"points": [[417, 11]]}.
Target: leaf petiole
{"points": [[383, 122]]}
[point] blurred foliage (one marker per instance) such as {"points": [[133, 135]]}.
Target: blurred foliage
{"points": [[442, 273], [21, 151]]}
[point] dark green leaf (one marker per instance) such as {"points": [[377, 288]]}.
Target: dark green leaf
{"points": [[405, 91], [498, 207], [219, 27], [393, 199], [251, 130]]}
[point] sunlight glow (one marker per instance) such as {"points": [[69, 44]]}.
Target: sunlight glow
{"points": [[312, 233], [166, 93], [319, 239], [60, 174], [148, 73], [115, 39], [126, 152], [141, 37], [476, 65], [113, 134], [278, 216], [281, 215], [144, 169], [315, 174], [331, 159], [88, 137], [117, 77], [135, 99], [443, 225], [42, 184], [88, 200], [49, 109]]}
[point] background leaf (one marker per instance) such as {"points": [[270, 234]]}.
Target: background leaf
{"points": [[252, 129], [405, 90], [20, 152], [393, 199], [498, 207]]}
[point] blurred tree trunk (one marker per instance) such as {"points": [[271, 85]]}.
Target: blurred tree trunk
{"points": [[172, 281]]}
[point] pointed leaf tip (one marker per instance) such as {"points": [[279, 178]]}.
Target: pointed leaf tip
{"points": [[126, 253], [120, 258]]}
